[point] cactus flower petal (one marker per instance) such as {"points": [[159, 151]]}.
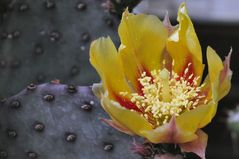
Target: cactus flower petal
{"points": [[184, 45], [180, 129], [143, 38], [197, 146], [131, 120], [134, 121], [225, 77], [117, 126], [169, 133], [102, 50]]}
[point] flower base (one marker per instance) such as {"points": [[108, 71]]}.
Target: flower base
{"points": [[161, 151]]}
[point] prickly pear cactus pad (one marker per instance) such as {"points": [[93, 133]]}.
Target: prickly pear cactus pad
{"points": [[49, 39], [56, 121]]}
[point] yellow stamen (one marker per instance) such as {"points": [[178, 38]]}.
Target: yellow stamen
{"points": [[165, 95]]}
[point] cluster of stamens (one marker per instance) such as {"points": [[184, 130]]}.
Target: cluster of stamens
{"points": [[166, 94]]}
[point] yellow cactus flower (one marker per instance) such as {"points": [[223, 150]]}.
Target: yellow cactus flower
{"points": [[152, 85]]}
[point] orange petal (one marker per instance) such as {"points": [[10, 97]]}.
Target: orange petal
{"points": [[143, 39], [184, 47], [197, 146]]}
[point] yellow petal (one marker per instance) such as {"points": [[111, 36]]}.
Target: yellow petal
{"points": [[169, 133], [117, 126], [184, 47], [218, 81], [211, 83], [129, 119], [183, 128], [105, 59], [99, 91], [194, 119], [215, 66], [143, 39]]}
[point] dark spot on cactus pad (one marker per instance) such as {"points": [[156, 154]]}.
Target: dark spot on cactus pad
{"points": [[15, 104], [85, 37], [16, 34], [49, 4], [86, 107], [23, 7], [11, 133], [3, 63], [38, 49], [74, 70], [32, 155], [38, 126], [3, 154], [71, 88], [48, 97], [55, 36], [108, 147], [70, 137], [31, 87], [80, 6], [15, 64]]}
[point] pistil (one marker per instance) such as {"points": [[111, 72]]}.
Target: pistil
{"points": [[165, 93]]}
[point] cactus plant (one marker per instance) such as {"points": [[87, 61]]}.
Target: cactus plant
{"points": [[58, 121], [45, 40], [49, 39]]}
